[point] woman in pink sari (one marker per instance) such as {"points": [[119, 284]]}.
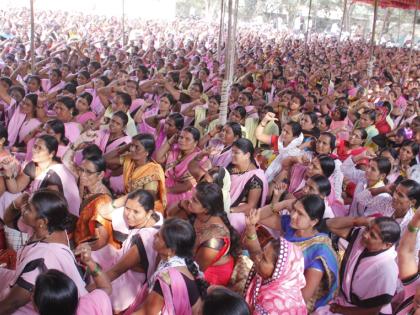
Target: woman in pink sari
{"points": [[249, 184], [65, 109], [179, 181], [44, 171], [275, 282], [23, 122], [85, 116], [369, 271], [221, 148], [111, 139], [176, 287]]}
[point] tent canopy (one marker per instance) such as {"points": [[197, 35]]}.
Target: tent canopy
{"points": [[399, 4]]}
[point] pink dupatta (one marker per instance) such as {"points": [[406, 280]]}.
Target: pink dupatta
{"points": [[238, 182], [72, 130], [18, 129]]}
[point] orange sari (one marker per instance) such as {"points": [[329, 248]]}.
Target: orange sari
{"points": [[139, 177]]}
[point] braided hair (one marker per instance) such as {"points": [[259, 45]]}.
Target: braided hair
{"points": [[179, 235], [211, 198]]}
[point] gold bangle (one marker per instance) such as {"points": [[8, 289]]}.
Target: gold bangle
{"points": [[252, 237], [272, 208]]}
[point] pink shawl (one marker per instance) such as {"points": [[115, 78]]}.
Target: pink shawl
{"points": [[102, 140], [72, 130], [18, 129], [177, 171], [96, 104], [281, 294], [238, 183], [81, 119], [70, 188], [221, 158], [94, 303]]}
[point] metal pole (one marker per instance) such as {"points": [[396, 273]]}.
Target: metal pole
{"points": [[123, 23], [225, 84], [221, 29], [32, 37], [232, 58], [309, 19], [342, 19], [413, 34], [372, 39]]}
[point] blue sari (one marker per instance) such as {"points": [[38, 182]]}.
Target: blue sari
{"points": [[318, 254]]}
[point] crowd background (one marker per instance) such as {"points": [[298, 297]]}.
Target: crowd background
{"points": [[121, 192]]}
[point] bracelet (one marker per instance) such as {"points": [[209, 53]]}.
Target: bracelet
{"points": [[272, 208], [263, 125], [95, 272], [412, 229], [252, 237]]}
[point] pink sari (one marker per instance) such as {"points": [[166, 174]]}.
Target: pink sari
{"points": [[281, 294], [116, 182], [72, 130], [175, 294], [176, 171], [94, 303], [222, 155], [83, 118], [238, 182], [96, 104], [18, 128], [366, 280]]}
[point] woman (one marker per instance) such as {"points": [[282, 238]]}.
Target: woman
{"points": [[56, 293], [205, 115], [139, 170], [221, 148], [408, 267], [407, 158], [65, 109], [85, 117], [364, 202], [275, 282], [110, 141], [24, 122], [309, 124], [44, 171], [287, 144], [217, 243], [176, 286], [167, 128], [48, 248], [130, 267], [53, 128], [352, 147], [179, 181], [302, 228], [248, 183], [224, 301], [369, 272]]}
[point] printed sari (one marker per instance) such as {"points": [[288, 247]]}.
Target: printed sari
{"points": [[140, 177], [281, 294]]}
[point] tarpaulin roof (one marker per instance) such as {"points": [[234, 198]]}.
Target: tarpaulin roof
{"points": [[400, 4]]}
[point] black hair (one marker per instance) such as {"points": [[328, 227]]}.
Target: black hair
{"points": [[222, 301], [98, 161], [19, 89], [241, 110], [147, 141], [328, 119], [144, 198], [104, 79], [210, 196], [91, 150], [414, 148], [247, 95], [327, 164], [7, 81], [194, 131], [55, 293], [216, 97], [332, 138], [70, 87], [302, 99], [96, 65], [391, 150], [52, 206], [126, 98], [296, 128], [179, 235], [58, 127], [323, 184], [178, 120], [85, 73], [371, 114], [342, 111], [314, 207], [68, 102], [4, 134], [174, 76], [314, 118], [50, 142], [413, 190], [34, 77], [384, 165], [87, 96], [123, 116], [363, 133], [171, 99], [246, 146], [33, 98], [236, 128], [390, 229], [57, 72]]}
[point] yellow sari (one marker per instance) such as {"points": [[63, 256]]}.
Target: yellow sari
{"points": [[143, 177]]}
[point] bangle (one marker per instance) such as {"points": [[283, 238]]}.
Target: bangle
{"points": [[262, 125], [252, 237], [95, 272], [412, 229], [272, 208]]}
